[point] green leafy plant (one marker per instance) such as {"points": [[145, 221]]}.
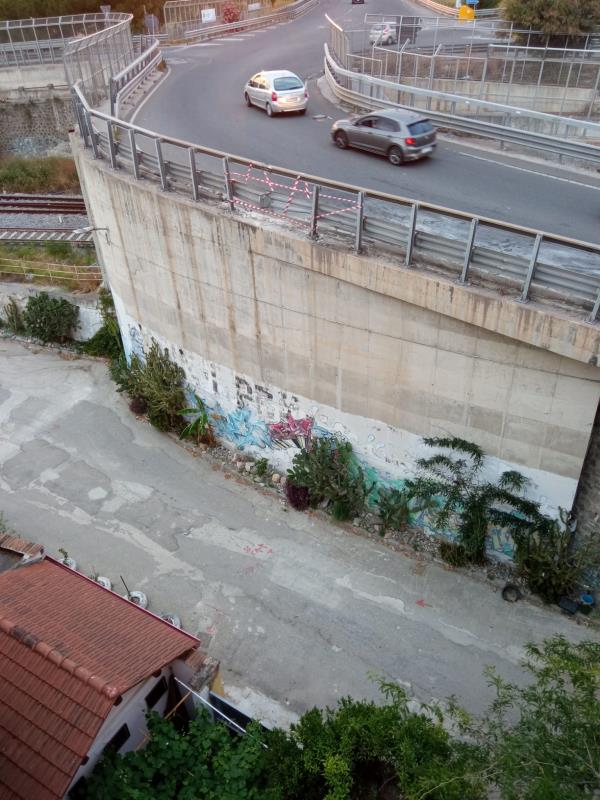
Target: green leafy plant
{"points": [[363, 750], [297, 496], [551, 561], [455, 483], [453, 554], [395, 507], [107, 340], [50, 319], [199, 427], [159, 380], [13, 316], [541, 737], [330, 472], [555, 18], [261, 467]]}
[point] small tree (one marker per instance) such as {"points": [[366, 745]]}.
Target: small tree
{"points": [[455, 483], [50, 319], [554, 17], [552, 750], [160, 382]]}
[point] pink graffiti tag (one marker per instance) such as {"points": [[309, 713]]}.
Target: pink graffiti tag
{"points": [[297, 431]]}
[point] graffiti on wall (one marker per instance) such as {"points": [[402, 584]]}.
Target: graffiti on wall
{"points": [[292, 432]]}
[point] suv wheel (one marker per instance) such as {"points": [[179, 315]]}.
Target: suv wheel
{"points": [[269, 110], [395, 156]]}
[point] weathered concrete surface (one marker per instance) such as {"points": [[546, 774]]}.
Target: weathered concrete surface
{"points": [[296, 609], [386, 354]]}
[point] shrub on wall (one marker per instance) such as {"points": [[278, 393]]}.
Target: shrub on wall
{"points": [[330, 472], [231, 13], [50, 319], [159, 381]]}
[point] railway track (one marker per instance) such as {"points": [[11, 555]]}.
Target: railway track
{"points": [[41, 204], [83, 237]]}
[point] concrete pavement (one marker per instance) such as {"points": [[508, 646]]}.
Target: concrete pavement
{"points": [[298, 610]]}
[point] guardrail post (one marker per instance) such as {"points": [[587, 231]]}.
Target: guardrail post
{"points": [[112, 150], [228, 184], [360, 215], [314, 212], [469, 250], [112, 95], [134, 155], [193, 175], [410, 241], [594, 312], [93, 140], [531, 269], [161, 166]]}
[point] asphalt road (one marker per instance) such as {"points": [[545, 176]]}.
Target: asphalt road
{"points": [[201, 101], [298, 610]]}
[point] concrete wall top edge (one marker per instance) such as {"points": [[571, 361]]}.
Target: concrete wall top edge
{"points": [[546, 327]]}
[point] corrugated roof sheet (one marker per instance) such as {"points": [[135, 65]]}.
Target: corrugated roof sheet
{"points": [[68, 649]]}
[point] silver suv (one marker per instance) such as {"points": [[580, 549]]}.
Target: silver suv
{"points": [[277, 91], [400, 135]]}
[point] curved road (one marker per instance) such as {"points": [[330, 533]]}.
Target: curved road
{"points": [[201, 101]]}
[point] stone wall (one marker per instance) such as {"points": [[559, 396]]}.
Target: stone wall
{"points": [[35, 125], [286, 338]]}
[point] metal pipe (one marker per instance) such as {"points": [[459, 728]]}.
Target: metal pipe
{"points": [[531, 268]]}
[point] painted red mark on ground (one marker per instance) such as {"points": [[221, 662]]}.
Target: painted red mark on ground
{"points": [[258, 549], [423, 604]]}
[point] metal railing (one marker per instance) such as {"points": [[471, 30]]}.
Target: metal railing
{"points": [[32, 271], [485, 60], [125, 82], [42, 40], [289, 12], [517, 260], [561, 136]]}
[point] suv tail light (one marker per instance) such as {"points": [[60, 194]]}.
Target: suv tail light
{"points": [[409, 140], [274, 96]]}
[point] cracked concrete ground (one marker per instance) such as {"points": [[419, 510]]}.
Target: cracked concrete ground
{"points": [[298, 611]]}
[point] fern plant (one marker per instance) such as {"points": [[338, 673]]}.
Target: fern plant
{"points": [[395, 507], [455, 484]]}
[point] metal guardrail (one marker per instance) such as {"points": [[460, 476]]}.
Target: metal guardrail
{"points": [[90, 277], [351, 216], [290, 12], [364, 91], [126, 81]]}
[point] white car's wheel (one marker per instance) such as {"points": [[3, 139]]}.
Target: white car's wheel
{"points": [[269, 110], [247, 99]]}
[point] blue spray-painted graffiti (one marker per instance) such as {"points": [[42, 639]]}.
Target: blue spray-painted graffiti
{"points": [[240, 428]]}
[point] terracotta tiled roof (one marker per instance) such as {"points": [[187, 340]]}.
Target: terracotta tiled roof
{"points": [[68, 649]]}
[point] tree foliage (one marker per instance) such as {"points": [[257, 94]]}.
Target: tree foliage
{"points": [[553, 17], [455, 481], [552, 750], [23, 9]]}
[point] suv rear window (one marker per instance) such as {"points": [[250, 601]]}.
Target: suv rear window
{"points": [[418, 128], [285, 84]]}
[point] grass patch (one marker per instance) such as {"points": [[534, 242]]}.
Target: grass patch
{"points": [[54, 252], [38, 175]]}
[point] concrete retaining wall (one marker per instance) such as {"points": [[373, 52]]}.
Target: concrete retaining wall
{"points": [[90, 319], [282, 335], [35, 110]]}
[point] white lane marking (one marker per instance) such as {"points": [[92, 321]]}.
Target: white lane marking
{"points": [[533, 172]]}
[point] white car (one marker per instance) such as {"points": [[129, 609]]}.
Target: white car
{"points": [[383, 33], [277, 91]]}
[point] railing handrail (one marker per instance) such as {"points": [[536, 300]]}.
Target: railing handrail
{"points": [[333, 184], [64, 19]]}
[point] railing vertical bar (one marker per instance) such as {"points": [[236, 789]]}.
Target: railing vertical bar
{"points": [[193, 175], [360, 215], [161, 166], [410, 241], [594, 313], [112, 149], [228, 184], [314, 212], [531, 268], [134, 154], [469, 250], [91, 131]]}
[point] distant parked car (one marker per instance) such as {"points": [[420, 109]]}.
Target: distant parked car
{"points": [[400, 135], [277, 91], [383, 33]]}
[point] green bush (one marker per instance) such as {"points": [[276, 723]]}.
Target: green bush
{"points": [[549, 559], [159, 381], [329, 471], [13, 317], [50, 319], [51, 174], [106, 341]]}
